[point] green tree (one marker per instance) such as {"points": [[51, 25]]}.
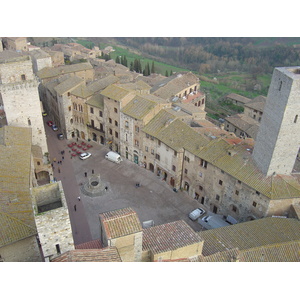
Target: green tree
{"points": [[118, 60], [166, 74], [152, 68]]}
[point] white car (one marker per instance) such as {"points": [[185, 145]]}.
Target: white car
{"points": [[85, 155], [195, 214]]}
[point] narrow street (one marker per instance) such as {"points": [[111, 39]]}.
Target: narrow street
{"points": [[65, 173]]}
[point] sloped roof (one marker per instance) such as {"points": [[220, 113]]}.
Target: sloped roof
{"points": [[169, 236], [95, 244], [238, 98], [138, 107], [96, 101], [120, 222], [250, 235], [115, 92], [56, 71], [68, 84], [13, 230], [102, 83], [174, 84], [109, 254], [257, 103], [15, 172]]}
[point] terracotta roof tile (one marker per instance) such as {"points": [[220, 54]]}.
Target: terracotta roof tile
{"points": [[120, 222], [170, 236], [109, 254]]}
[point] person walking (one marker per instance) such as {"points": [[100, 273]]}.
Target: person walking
{"points": [[78, 198]]}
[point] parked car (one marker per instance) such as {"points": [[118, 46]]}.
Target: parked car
{"points": [[84, 155], [114, 157], [44, 114], [54, 127], [50, 123], [60, 136], [196, 213]]}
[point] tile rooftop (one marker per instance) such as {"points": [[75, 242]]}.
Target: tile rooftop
{"points": [[120, 222], [170, 236]]}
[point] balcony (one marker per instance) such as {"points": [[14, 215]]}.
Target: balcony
{"points": [[95, 128]]}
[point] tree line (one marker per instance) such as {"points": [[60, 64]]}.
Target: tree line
{"points": [[212, 55]]}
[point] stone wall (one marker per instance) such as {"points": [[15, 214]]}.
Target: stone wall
{"points": [[54, 227], [19, 92]]}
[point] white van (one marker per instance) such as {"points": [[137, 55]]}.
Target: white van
{"points": [[113, 156]]}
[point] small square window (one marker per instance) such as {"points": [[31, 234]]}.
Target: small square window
{"points": [[237, 192], [254, 204], [200, 188], [174, 168], [220, 182], [115, 110], [218, 197]]}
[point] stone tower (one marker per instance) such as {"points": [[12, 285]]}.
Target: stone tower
{"points": [[277, 142], [19, 95]]}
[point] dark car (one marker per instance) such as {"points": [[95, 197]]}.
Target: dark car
{"points": [[50, 123], [54, 127], [60, 136]]}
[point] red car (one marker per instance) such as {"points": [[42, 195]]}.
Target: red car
{"points": [[49, 123]]}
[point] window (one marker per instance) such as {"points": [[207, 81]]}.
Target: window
{"points": [[136, 142], [158, 142], [115, 110], [137, 129], [175, 153], [126, 124], [23, 77], [57, 249], [91, 110], [296, 118], [116, 123], [254, 204], [116, 134], [239, 182], [110, 131], [29, 122], [152, 151], [185, 171], [174, 168], [110, 120], [220, 182], [70, 108], [203, 163], [187, 159], [234, 208], [237, 192], [157, 156], [218, 197], [100, 113], [200, 188], [257, 193], [92, 123]]}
